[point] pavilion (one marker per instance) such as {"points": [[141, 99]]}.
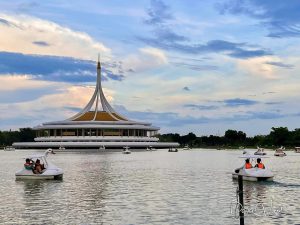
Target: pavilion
{"points": [[97, 125]]}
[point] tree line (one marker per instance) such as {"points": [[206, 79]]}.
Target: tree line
{"points": [[9, 137], [277, 137]]}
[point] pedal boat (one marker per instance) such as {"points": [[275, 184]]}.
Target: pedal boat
{"points": [[279, 152], [253, 174], [126, 150], [260, 151], [51, 172]]}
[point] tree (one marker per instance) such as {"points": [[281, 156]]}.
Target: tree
{"points": [[279, 136]]}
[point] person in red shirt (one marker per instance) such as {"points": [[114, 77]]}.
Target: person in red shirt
{"points": [[259, 164], [248, 165]]}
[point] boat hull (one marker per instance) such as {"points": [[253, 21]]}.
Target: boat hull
{"points": [[258, 153], [279, 155], [252, 178], [39, 177], [253, 174]]}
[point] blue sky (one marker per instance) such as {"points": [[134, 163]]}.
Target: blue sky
{"points": [[186, 66]]}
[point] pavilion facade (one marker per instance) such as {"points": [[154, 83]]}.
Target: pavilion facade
{"points": [[97, 125]]}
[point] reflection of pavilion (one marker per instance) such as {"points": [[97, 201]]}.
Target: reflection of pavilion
{"points": [[97, 125]]}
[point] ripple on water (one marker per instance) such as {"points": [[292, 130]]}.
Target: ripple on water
{"points": [[188, 187]]}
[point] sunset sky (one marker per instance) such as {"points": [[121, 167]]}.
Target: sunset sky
{"points": [[183, 65]]}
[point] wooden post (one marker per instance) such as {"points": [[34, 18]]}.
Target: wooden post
{"points": [[241, 200]]}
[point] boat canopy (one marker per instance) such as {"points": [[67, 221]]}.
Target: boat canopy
{"points": [[35, 156], [253, 156]]}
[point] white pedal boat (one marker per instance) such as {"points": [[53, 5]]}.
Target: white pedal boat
{"points": [[51, 172], [279, 152], [126, 150], [260, 151], [253, 174]]}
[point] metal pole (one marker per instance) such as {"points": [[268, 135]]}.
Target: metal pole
{"points": [[241, 200]]}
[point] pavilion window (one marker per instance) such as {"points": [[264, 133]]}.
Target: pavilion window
{"points": [[79, 132], [46, 133], [131, 133], [111, 132], [52, 133], [99, 132], [87, 132], [93, 132], [68, 132]]}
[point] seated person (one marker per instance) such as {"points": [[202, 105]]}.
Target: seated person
{"points": [[38, 168], [248, 165], [28, 164], [259, 164]]}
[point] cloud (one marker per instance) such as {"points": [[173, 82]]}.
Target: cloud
{"points": [[55, 68], [258, 67], [236, 102], [201, 107], [20, 32], [280, 64], [165, 33], [5, 22], [281, 18], [171, 119], [186, 89], [145, 59], [41, 43], [165, 37], [232, 49], [195, 67], [273, 103], [24, 95], [57, 101], [158, 12]]}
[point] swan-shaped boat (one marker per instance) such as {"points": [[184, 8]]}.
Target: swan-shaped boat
{"points": [[186, 147], [253, 174], [126, 150], [279, 152], [173, 150], [50, 171], [260, 151]]}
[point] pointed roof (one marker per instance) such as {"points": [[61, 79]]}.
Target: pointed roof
{"points": [[98, 108]]}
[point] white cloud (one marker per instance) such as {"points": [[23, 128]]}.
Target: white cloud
{"points": [[146, 58], [22, 31], [44, 108], [21, 82], [258, 67]]}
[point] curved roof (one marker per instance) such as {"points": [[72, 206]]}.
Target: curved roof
{"points": [[98, 108], [98, 112], [99, 116]]}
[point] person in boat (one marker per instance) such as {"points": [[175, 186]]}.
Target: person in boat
{"points": [[28, 164], [259, 164], [38, 168], [248, 165]]}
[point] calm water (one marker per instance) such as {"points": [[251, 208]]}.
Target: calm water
{"points": [[188, 187]]}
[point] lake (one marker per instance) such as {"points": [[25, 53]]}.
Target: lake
{"points": [[159, 187]]}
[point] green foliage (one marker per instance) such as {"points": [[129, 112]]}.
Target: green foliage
{"points": [[9, 137], [280, 136]]}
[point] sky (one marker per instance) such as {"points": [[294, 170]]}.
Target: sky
{"points": [[183, 65]]}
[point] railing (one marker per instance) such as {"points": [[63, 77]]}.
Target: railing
{"points": [[96, 138]]}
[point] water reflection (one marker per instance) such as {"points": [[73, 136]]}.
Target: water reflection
{"points": [[189, 187]]}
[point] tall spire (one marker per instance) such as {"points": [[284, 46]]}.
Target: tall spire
{"points": [[98, 104], [98, 64]]}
